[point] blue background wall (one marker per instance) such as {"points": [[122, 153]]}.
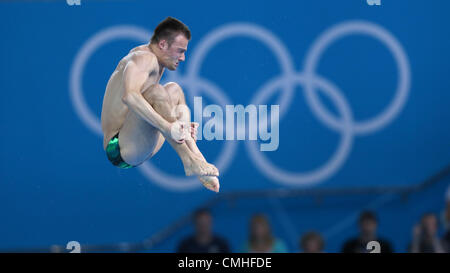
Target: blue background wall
{"points": [[56, 184]]}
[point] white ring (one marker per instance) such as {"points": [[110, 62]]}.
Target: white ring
{"points": [[248, 30], [403, 86], [337, 159]]}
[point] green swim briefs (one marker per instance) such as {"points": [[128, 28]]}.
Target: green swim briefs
{"points": [[113, 153]]}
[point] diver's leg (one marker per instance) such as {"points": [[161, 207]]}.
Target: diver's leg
{"points": [[131, 136], [183, 114]]}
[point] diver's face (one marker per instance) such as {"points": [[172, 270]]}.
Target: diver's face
{"points": [[174, 54]]}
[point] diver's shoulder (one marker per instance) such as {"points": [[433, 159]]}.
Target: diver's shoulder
{"points": [[142, 55], [142, 50]]}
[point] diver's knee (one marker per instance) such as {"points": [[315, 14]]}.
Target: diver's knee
{"points": [[174, 89], [154, 93], [173, 86]]}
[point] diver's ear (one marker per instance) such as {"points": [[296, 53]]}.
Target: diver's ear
{"points": [[163, 44]]}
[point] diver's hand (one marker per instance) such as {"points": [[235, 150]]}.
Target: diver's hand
{"points": [[193, 130], [178, 131]]}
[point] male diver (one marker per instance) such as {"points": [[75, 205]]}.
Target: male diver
{"points": [[139, 114]]}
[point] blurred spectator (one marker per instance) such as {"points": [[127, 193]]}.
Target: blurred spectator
{"points": [[368, 225], [261, 238], [446, 220], [203, 240], [425, 239], [312, 242]]}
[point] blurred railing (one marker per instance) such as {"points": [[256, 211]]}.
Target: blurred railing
{"points": [[164, 234]]}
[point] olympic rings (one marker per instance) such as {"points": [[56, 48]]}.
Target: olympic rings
{"points": [[194, 84]]}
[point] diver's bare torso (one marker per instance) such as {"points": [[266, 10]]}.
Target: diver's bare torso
{"points": [[114, 111]]}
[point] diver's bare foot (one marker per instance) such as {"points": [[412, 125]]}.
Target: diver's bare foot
{"points": [[210, 182], [198, 166]]}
